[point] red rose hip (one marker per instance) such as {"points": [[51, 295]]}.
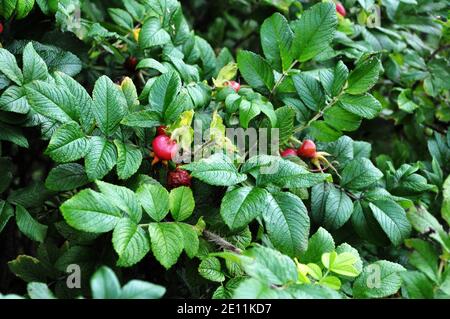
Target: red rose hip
{"points": [[177, 178], [164, 148], [340, 9], [307, 149], [288, 152], [234, 85], [130, 63], [1, 28]]}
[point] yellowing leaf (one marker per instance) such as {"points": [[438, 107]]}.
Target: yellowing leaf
{"points": [[136, 34], [228, 72]]}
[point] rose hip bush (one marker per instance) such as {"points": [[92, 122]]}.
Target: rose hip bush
{"points": [[117, 164]]}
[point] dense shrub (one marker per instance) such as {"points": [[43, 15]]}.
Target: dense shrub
{"points": [[122, 157]]}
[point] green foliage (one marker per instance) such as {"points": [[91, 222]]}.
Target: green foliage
{"points": [[81, 183]]}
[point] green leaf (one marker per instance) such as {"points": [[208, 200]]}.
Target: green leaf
{"points": [[309, 91], [276, 40], [287, 223], [364, 76], [319, 243], [207, 57], [269, 265], [378, 280], [83, 101], [52, 101], [241, 205], [155, 200], [110, 105], [365, 105], [285, 123], [101, 158], [39, 290], [341, 264], [6, 212], [405, 102], [331, 282], [23, 8], [321, 131], [7, 8], [248, 111], [153, 34], [29, 226], [129, 159], [359, 174], [338, 209], [287, 174], [181, 203], [346, 248], [6, 175], [190, 239], [392, 219], [123, 198], [217, 169], [209, 268], [424, 257], [34, 68], [138, 289], [12, 134], [164, 91], [341, 119], [255, 70], [130, 242], [445, 209], [254, 289], [417, 285], [9, 67], [121, 17], [150, 63], [28, 268], [104, 284], [333, 80], [68, 144], [144, 118], [166, 243], [58, 59], [33, 195], [314, 31], [91, 212], [14, 99], [66, 177]]}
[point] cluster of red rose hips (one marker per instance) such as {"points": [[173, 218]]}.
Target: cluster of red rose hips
{"points": [[306, 150], [165, 149]]}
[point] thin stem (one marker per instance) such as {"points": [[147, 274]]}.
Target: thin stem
{"points": [[281, 79], [435, 52], [318, 115], [221, 242]]}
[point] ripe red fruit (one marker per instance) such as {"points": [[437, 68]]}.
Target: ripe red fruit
{"points": [[288, 152], [161, 130], [234, 85], [177, 178], [130, 63], [164, 148], [1, 27], [307, 150], [340, 9]]}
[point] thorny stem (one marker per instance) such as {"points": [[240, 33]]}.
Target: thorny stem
{"points": [[221, 242]]}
